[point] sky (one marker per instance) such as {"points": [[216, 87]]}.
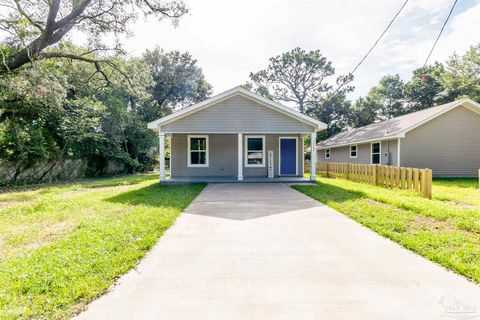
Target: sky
{"points": [[230, 39]]}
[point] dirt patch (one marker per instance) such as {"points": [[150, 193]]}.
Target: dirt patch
{"points": [[463, 205], [4, 204], [432, 223]]}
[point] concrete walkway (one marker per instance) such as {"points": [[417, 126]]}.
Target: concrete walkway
{"points": [[265, 251]]}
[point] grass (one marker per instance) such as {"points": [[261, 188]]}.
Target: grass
{"points": [[445, 229], [63, 245]]}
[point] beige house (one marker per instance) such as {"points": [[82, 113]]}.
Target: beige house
{"points": [[444, 138]]}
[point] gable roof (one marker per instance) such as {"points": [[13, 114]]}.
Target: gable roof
{"points": [[394, 128], [318, 125]]}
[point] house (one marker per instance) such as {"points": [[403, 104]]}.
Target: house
{"points": [[445, 138], [235, 136]]}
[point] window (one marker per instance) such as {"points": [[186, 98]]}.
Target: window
{"points": [[353, 151], [327, 153], [255, 151], [376, 153], [198, 151]]}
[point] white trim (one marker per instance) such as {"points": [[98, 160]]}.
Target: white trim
{"points": [[246, 151], [189, 164], [329, 153], [239, 158], [171, 156], [280, 155], [356, 151], [313, 156], [245, 93], [398, 152], [380, 152], [462, 102], [303, 156], [161, 157], [362, 142]]}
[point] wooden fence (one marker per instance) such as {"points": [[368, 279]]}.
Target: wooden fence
{"points": [[419, 180]]}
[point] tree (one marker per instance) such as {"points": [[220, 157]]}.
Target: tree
{"points": [[363, 112], [177, 82], [425, 89], [297, 76], [462, 75], [34, 28], [389, 96]]}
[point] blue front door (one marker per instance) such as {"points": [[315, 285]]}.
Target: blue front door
{"points": [[288, 156]]}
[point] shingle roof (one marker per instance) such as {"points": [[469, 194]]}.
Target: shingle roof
{"points": [[389, 128]]}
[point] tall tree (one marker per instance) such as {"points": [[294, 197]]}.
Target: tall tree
{"points": [[34, 28], [177, 82], [462, 75], [297, 77], [389, 96], [425, 89]]}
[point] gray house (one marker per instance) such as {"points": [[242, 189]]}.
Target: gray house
{"points": [[236, 135], [445, 139]]}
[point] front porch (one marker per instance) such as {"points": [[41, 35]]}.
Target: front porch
{"points": [[235, 157], [234, 179]]}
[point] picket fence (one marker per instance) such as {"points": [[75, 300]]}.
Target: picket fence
{"points": [[419, 180]]}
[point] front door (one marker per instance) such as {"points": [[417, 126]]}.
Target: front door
{"points": [[288, 156]]}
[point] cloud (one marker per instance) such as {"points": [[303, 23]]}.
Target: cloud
{"points": [[230, 39]]}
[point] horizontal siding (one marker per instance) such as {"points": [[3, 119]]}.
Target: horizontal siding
{"points": [[237, 114], [342, 154], [448, 144], [223, 159], [222, 156]]}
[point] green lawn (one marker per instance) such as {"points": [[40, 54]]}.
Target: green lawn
{"points": [[63, 245], [445, 229]]}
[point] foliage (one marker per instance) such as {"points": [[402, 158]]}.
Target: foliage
{"points": [[298, 77], [444, 229], [64, 245], [429, 86], [50, 111], [462, 75], [177, 82], [34, 29]]}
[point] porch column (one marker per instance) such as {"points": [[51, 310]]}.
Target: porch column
{"points": [[240, 157], [313, 155], [161, 138]]}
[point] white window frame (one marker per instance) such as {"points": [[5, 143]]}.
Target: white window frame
{"points": [[247, 165], [379, 152], [329, 153], [189, 159], [356, 151]]}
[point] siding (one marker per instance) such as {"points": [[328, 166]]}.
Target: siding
{"points": [[448, 144], [236, 115], [342, 154], [223, 159]]}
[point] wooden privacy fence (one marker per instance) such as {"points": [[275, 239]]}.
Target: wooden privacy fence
{"points": [[419, 180]]}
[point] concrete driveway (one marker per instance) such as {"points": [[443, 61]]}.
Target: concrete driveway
{"points": [[266, 251]]}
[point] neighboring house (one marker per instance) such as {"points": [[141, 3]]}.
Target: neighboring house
{"points": [[231, 135], [445, 139]]}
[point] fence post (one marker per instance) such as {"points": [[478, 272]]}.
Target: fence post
{"points": [[429, 183], [326, 170], [423, 182], [347, 170], [375, 174]]}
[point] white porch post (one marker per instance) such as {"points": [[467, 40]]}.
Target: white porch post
{"points": [[161, 138], [240, 157], [313, 155]]}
